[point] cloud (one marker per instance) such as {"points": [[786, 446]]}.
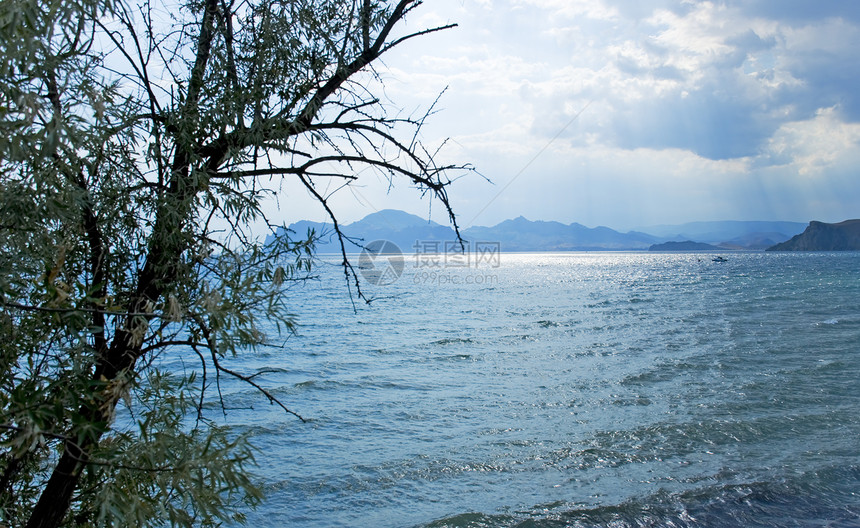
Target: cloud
{"points": [[591, 9], [694, 110], [709, 77], [813, 147], [800, 11], [823, 56]]}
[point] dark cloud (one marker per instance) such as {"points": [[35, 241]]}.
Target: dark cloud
{"points": [[712, 127], [799, 11], [829, 79], [791, 11], [751, 42], [745, 45], [717, 81], [745, 95]]}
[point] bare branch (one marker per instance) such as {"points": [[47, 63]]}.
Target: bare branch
{"points": [[213, 350]]}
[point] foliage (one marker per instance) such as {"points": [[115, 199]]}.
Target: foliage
{"points": [[138, 146]]}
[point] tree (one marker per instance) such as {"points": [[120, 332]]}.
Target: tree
{"points": [[139, 143]]}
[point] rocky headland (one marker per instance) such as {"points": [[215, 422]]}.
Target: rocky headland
{"points": [[820, 236]]}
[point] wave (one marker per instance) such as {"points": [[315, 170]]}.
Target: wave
{"points": [[454, 357], [452, 341], [818, 499]]}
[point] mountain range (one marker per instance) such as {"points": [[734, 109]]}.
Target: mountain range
{"points": [[520, 234]]}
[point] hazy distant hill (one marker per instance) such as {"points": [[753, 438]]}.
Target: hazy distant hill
{"points": [[521, 234], [402, 228], [737, 234], [518, 234], [819, 236]]}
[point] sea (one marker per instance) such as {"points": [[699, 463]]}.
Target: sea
{"points": [[580, 389]]}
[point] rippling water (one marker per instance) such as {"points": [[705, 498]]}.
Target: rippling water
{"points": [[581, 389]]}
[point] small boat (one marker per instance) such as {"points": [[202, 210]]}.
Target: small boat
{"points": [[720, 258]]}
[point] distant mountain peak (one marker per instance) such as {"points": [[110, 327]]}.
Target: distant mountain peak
{"points": [[394, 219], [409, 231]]}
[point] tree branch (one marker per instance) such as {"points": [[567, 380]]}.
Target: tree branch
{"points": [[212, 345]]}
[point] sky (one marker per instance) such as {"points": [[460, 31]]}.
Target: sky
{"points": [[626, 113]]}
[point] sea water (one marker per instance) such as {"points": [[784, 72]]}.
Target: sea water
{"points": [[574, 389]]}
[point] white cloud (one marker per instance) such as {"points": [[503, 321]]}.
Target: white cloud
{"points": [[696, 40], [592, 9], [814, 146]]}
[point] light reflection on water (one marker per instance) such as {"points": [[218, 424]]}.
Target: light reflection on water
{"points": [[572, 389]]}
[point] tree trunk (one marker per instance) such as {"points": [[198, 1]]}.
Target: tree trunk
{"points": [[56, 498], [57, 495]]}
